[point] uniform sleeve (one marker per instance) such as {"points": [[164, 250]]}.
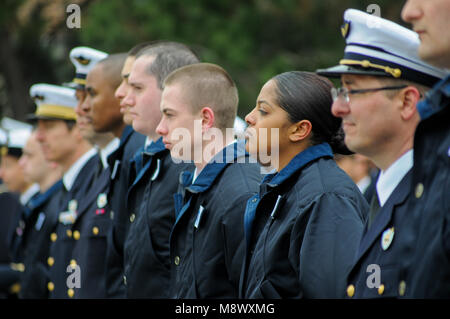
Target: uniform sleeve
{"points": [[331, 238]]}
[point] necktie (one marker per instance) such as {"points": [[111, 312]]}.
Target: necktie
{"points": [[374, 207]]}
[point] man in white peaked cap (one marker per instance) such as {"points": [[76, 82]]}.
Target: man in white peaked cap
{"points": [[62, 143], [84, 59], [382, 80]]}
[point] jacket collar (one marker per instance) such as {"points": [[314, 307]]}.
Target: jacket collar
{"points": [[42, 198], [436, 99], [384, 215], [297, 163], [209, 173]]}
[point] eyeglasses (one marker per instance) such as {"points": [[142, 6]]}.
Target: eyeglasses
{"points": [[344, 92]]}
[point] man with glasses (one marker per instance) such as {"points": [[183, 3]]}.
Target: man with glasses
{"points": [[382, 81]]}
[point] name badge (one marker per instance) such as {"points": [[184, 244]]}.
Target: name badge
{"points": [[115, 169], [199, 216], [40, 221]]}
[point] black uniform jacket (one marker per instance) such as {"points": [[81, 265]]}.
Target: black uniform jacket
{"points": [[62, 240], [427, 274], [36, 242], [376, 271], [152, 215], [302, 230], [206, 243], [119, 163], [89, 239], [10, 207]]}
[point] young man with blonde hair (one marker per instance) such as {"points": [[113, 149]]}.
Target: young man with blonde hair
{"points": [[199, 103]]}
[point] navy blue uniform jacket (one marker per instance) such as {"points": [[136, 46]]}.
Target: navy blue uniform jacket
{"points": [[427, 274], [61, 246], [381, 245], [36, 242], [206, 243], [119, 162], [152, 215], [302, 230]]}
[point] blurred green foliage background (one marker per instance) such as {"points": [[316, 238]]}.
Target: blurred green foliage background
{"points": [[252, 39]]}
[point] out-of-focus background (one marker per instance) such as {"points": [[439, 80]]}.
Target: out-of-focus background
{"points": [[252, 40]]}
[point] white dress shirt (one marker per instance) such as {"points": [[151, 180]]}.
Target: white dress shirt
{"points": [[72, 173], [389, 179]]}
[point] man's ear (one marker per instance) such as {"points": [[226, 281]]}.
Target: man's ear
{"points": [[410, 96], [299, 131], [208, 119]]}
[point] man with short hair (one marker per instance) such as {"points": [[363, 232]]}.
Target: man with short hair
{"points": [[153, 175], [427, 274], [12, 174], [63, 143], [123, 88], [36, 219], [84, 59], [382, 82], [198, 106]]}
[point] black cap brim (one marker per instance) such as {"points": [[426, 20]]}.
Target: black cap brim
{"points": [[338, 70]]}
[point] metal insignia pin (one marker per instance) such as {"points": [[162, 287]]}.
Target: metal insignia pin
{"points": [[73, 205], [102, 200], [386, 238]]}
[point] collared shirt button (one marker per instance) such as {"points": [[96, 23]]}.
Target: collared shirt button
{"points": [[177, 260], [132, 217], [419, 190], [50, 261], [402, 288], [350, 290], [381, 289]]}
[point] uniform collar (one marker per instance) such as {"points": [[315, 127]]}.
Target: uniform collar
{"points": [[29, 193], [153, 148], [390, 178], [36, 202], [127, 131], [435, 99], [298, 162], [107, 150], [72, 173], [216, 165]]}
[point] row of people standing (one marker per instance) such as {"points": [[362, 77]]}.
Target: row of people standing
{"points": [[148, 226]]}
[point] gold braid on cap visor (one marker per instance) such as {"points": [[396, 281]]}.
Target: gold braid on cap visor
{"points": [[396, 73], [56, 111]]}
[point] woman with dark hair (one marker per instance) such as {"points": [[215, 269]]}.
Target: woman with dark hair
{"points": [[303, 227]]}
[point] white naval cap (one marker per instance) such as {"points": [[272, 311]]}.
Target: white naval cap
{"points": [[379, 47], [53, 102], [84, 59], [14, 137]]}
